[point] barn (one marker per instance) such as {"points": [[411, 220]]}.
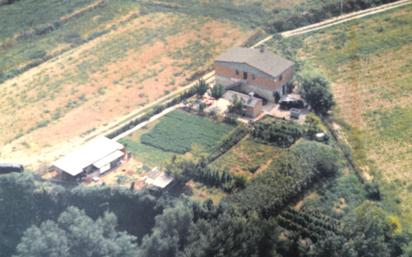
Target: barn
{"points": [[97, 156]]}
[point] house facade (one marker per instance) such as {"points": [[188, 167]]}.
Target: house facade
{"points": [[253, 71]]}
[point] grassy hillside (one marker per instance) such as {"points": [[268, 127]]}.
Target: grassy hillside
{"points": [[139, 58], [369, 62], [37, 31]]}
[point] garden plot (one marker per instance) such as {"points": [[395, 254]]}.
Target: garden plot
{"points": [[178, 133], [247, 158]]}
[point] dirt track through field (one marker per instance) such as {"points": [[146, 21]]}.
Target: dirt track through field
{"points": [[338, 20]]}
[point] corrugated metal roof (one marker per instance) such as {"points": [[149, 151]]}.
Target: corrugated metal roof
{"points": [[265, 61], [91, 152], [108, 159]]}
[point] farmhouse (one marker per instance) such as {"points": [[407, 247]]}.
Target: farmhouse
{"points": [[253, 70], [252, 106], [98, 155]]}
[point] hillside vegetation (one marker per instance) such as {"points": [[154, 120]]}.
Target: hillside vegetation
{"points": [[369, 64]]}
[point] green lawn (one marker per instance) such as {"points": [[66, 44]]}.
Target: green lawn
{"points": [[173, 133]]}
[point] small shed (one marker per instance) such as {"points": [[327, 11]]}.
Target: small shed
{"points": [[158, 179], [252, 105]]}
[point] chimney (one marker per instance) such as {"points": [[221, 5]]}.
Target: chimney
{"points": [[251, 95], [262, 48]]}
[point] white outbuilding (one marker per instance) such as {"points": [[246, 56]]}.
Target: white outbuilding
{"points": [[98, 155]]}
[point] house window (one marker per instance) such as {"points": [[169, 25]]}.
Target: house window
{"points": [[244, 75], [253, 76], [280, 78], [237, 72]]}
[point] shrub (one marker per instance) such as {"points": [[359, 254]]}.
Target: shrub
{"points": [[237, 106], [72, 38], [373, 191], [217, 91], [37, 54], [317, 94], [279, 132], [277, 97], [202, 87], [42, 123]]}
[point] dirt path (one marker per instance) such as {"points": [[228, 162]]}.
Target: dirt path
{"points": [[337, 20]]}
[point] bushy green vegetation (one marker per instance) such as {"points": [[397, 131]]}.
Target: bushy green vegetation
{"points": [[293, 173], [317, 93], [179, 131], [278, 132], [76, 234], [217, 91], [313, 225]]}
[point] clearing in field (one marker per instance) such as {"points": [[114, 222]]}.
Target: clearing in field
{"points": [[200, 192], [370, 65], [247, 158], [177, 133]]}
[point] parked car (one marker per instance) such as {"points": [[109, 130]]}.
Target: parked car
{"points": [[294, 113], [286, 103]]}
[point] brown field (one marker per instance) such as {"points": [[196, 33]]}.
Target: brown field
{"points": [[89, 86]]}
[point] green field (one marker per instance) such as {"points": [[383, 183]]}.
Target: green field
{"points": [[369, 63], [177, 133], [247, 158]]}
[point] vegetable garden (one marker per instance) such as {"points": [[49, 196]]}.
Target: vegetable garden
{"points": [[178, 131]]}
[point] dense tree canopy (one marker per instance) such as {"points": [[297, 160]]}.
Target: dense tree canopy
{"points": [[76, 234], [316, 91]]}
